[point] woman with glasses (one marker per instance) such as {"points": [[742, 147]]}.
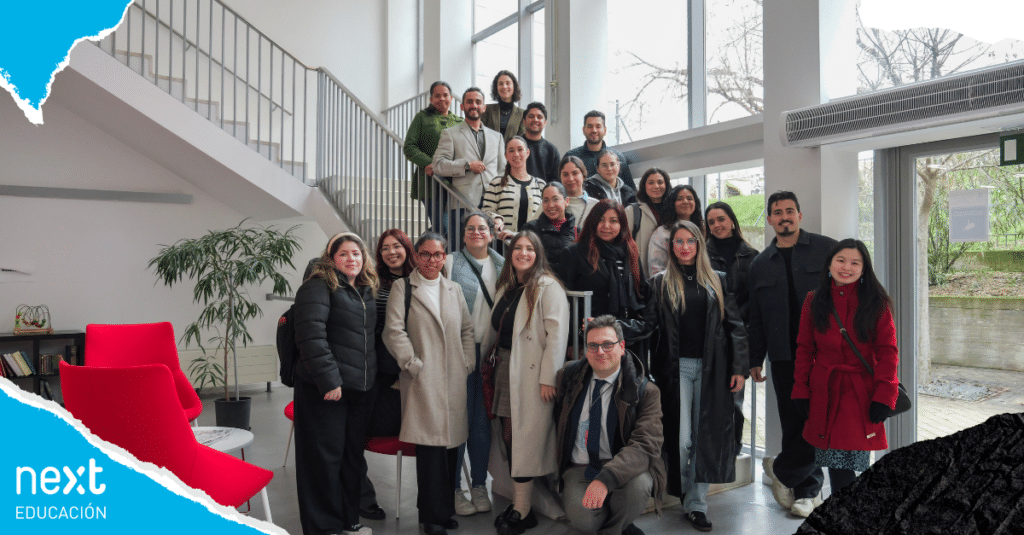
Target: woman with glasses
{"points": [[699, 361], [681, 204], [606, 261], [515, 197], [475, 268], [530, 323], [335, 317], [555, 226], [433, 343]]}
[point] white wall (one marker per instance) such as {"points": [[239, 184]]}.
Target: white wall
{"points": [[89, 258], [347, 37]]}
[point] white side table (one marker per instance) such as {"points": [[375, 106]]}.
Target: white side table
{"points": [[227, 440]]}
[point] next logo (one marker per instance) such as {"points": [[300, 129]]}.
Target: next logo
{"points": [[50, 479]]}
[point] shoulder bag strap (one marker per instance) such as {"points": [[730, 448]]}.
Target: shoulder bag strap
{"points": [[479, 277], [408, 300], [846, 335]]}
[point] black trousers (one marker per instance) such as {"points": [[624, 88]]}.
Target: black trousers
{"points": [[435, 483], [794, 466], [330, 437]]}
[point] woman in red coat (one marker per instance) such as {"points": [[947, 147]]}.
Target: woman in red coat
{"points": [[844, 403]]}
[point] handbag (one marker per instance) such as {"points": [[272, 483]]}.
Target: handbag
{"points": [[902, 398], [489, 366]]}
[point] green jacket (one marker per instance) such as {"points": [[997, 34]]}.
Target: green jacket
{"points": [[421, 142]]}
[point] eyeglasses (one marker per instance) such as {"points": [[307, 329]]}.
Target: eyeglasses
{"points": [[436, 257], [607, 165], [679, 242], [478, 230], [605, 346]]}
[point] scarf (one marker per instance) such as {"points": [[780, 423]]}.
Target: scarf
{"points": [[615, 264]]}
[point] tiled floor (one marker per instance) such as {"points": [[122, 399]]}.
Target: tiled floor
{"points": [[746, 510]]}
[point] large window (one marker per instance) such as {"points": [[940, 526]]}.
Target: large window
{"points": [[497, 38], [495, 53], [735, 69], [647, 82], [889, 58]]}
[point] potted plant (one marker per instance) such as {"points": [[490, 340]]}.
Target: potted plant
{"points": [[223, 263]]}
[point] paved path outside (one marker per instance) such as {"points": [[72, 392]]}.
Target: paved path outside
{"points": [[936, 416]]}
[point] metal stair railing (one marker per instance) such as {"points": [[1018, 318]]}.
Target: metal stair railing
{"points": [[300, 118]]}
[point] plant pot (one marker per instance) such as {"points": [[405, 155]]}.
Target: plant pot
{"points": [[233, 413]]}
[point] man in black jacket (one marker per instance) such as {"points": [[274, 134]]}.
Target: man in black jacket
{"points": [[608, 470], [780, 278], [543, 160]]}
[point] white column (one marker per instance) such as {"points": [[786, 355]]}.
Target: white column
{"points": [[808, 56], [448, 43], [578, 63]]}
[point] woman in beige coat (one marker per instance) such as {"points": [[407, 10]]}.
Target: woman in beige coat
{"points": [[436, 352], [530, 323]]}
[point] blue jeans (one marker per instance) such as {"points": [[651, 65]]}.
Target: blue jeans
{"points": [[479, 431], [695, 495]]}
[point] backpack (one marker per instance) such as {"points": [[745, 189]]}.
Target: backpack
{"points": [[638, 214], [288, 350]]}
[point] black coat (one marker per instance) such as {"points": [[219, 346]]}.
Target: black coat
{"points": [[737, 271], [578, 275], [725, 355], [335, 335], [554, 241]]}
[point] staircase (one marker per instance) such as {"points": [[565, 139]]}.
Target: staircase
{"points": [[301, 119]]}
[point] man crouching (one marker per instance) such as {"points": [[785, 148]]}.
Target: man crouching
{"points": [[609, 468]]}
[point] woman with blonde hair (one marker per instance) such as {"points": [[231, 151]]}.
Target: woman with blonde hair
{"points": [[530, 323], [335, 317], [699, 362]]}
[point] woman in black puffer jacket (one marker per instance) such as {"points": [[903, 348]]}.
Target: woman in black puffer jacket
{"points": [[335, 317]]}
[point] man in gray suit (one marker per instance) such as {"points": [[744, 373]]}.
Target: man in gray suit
{"points": [[469, 153]]}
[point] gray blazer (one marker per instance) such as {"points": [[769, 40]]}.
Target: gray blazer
{"points": [[457, 147]]}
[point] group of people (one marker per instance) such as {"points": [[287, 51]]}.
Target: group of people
{"points": [[466, 349]]}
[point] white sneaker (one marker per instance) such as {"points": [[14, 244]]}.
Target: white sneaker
{"points": [[480, 499], [782, 493], [463, 507], [805, 506], [358, 529]]}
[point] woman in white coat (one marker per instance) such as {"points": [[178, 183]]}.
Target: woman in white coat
{"points": [[436, 353], [530, 323]]}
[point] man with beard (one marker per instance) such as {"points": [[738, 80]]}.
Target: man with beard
{"points": [[469, 153], [543, 160], [780, 278], [594, 129]]}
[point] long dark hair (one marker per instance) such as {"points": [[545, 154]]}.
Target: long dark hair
{"points": [[588, 238], [407, 267], [508, 279], [508, 166], [641, 194], [668, 207], [871, 296], [723, 206]]}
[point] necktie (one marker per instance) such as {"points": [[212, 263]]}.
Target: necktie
{"points": [[594, 432]]}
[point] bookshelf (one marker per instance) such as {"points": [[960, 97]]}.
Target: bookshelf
{"points": [[33, 346]]}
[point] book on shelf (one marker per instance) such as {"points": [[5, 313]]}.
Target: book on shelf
{"points": [[28, 362], [11, 364], [3, 367], [72, 355], [19, 361], [45, 391]]}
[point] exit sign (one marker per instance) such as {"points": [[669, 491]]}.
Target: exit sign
{"points": [[1011, 150]]}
